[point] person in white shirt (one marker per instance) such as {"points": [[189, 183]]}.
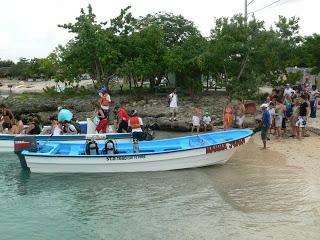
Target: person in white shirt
{"points": [[288, 90], [173, 104], [196, 119], [207, 121]]}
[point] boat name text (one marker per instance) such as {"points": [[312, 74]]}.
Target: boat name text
{"points": [[123, 158], [225, 146]]}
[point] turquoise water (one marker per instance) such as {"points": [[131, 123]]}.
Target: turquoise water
{"points": [[244, 199]]}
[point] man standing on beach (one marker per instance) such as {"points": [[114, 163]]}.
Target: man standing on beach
{"points": [[265, 122], [240, 114], [304, 111], [173, 104]]}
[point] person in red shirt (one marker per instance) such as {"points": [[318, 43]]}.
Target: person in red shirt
{"points": [[122, 119]]}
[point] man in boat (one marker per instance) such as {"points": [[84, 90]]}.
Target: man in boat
{"points": [[265, 124], [136, 124], [122, 119]]}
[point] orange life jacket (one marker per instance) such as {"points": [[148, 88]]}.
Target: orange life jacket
{"points": [[134, 122], [104, 100]]}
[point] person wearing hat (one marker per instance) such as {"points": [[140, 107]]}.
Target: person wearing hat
{"points": [[105, 100], [207, 121], [265, 124], [135, 123]]}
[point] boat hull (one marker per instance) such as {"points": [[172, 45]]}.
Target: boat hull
{"points": [[199, 157], [7, 140]]}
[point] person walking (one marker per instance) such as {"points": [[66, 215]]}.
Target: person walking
{"points": [[173, 104], [265, 125]]}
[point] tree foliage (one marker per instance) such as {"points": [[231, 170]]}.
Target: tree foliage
{"points": [[238, 55]]}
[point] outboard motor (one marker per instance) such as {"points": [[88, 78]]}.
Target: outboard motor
{"points": [[25, 143], [109, 147], [92, 148]]}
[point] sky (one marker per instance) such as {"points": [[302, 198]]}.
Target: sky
{"points": [[29, 28]]}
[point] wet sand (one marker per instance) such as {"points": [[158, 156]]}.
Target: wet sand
{"points": [[304, 153]]}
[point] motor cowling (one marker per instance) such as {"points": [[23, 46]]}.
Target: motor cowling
{"points": [[92, 148], [110, 147], [22, 143]]}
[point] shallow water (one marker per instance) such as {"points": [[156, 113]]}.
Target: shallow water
{"points": [[253, 196]]}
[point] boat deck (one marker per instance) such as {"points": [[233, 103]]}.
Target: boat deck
{"points": [[145, 147]]}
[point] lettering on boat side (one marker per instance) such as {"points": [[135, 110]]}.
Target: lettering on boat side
{"points": [[124, 158], [225, 146]]}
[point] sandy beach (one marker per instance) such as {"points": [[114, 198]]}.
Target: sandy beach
{"points": [[18, 86], [304, 153]]}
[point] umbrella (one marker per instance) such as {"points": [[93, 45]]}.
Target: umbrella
{"points": [[64, 115]]}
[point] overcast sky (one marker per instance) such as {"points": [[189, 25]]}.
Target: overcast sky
{"points": [[29, 28]]}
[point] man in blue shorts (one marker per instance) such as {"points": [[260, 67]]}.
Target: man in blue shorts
{"points": [[265, 122]]}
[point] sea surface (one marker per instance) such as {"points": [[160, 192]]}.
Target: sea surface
{"points": [[250, 197]]}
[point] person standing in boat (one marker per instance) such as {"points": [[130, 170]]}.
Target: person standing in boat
{"points": [[105, 101], [103, 123], [122, 119], [136, 124]]}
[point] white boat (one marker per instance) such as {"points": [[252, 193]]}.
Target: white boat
{"points": [[158, 155], [7, 140]]}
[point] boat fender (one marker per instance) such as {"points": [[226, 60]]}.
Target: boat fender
{"points": [[22, 143], [92, 148], [110, 148]]}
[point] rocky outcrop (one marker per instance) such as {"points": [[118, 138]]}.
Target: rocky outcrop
{"points": [[154, 110]]}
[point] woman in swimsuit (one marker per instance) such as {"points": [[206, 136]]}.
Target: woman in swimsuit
{"points": [[228, 115]]}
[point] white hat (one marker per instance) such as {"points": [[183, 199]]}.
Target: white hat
{"points": [[264, 105]]}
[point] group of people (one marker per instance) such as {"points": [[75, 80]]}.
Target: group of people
{"points": [[123, 122], [11, 123], [231, 115], [234, 115], [288, 106]]}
